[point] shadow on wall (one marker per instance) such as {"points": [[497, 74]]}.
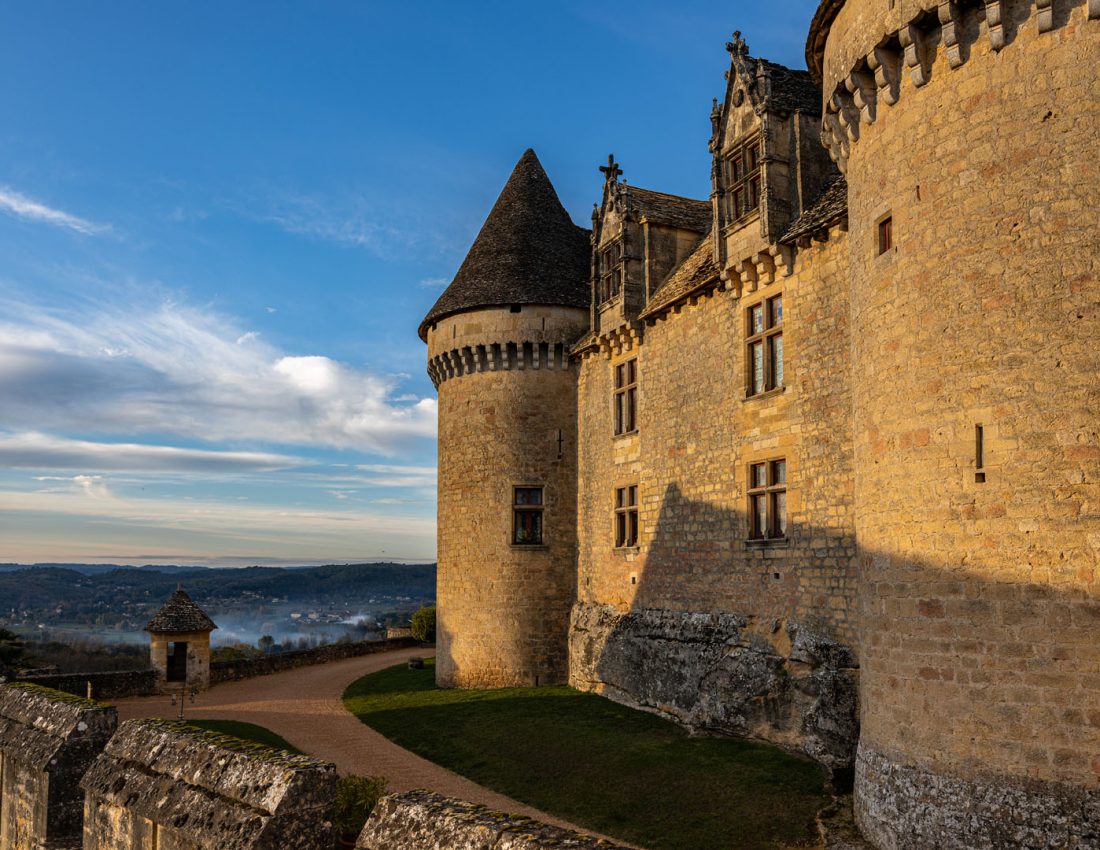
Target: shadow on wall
{"points": [[748, 668], [961, 671]]}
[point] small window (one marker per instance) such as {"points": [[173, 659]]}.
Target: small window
{"points": [[768, 500], [626, 396], [885, 235], [626, 517], [527, 509], [743, 180], [765, 346], [611, 271]]}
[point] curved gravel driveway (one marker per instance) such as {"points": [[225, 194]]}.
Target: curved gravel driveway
{"points": [[304, 706]]}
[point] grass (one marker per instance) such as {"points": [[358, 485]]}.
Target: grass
{"points": [[625, 773], [247, 732]]}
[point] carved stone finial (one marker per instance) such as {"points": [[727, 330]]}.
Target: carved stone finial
{"points": [[611, 171], [737, 46], [715, 115]]}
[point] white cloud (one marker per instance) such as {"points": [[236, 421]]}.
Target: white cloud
{"points": [[21, 206], [248, 337], [32, 450], [433, 282], [175, 370]]}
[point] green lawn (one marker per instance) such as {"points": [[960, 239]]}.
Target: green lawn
{"points": [[624, 773], [246, 732]]}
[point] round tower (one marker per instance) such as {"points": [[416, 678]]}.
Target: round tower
{"points": [[968, 133], [498, 352]]}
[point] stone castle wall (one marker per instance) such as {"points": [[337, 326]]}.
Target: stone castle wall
{"points": [[110, 684], [507, 418], [663, 624], [975, 127]]}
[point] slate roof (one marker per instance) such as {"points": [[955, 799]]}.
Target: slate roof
{"points": [[793, 91], [830, 206], [673, 210], [819, 31], [528, 252], [692, 274], [180, 614]]}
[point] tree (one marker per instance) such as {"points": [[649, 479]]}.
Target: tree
{"points": [[11, 649], [423, 624], [266, 643]]}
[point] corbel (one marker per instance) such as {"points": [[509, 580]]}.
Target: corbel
{"points": [[948, 12], [861, 86], [846, 114], [765, 268], [783, 259], [912, 41], [747, 270], [885, 63], [994, 11], [1046, 15]]}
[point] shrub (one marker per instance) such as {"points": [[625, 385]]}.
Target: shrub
{"points": [[423, 624], [356, 797]]}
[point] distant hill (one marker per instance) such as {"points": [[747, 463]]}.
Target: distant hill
{"points": [[77, 592]]}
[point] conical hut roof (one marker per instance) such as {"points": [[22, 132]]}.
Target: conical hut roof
{"points": [[528, 252], [179, 614]]}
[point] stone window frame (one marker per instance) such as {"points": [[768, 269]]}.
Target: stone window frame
{"points": [[768, 340], [624, 399], [627, 528], [529, 511], [766, 508], [610, 264], [739, 179]]}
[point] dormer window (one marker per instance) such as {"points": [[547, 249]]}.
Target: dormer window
{"points": [[611, 271], [743, 180]]}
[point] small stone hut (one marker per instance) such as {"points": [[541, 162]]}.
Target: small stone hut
{"points": [[179, 636]]}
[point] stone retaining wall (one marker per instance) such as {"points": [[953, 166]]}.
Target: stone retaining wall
{"points": [[226, 671], [421, 820], [114, 684], [48, 740], [779, 682], [174, 787]]}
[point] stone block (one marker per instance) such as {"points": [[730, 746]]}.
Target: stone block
{"points": [[421, 820], [179, 787]]}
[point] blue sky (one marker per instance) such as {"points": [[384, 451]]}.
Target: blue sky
{"points": [[220, 224]]}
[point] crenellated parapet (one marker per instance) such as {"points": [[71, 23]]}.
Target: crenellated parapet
{"points": [[858, 85]]}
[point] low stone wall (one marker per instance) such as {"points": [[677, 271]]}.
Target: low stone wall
{"points": [[226, 671], [48, 740], [115, 684], [420, 820], [169, 785], [726, 673]]}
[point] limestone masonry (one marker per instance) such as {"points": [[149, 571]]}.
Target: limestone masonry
{"points": [[815, 460]]}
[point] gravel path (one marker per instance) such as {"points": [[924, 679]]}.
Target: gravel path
{"points": [[305, 708]]}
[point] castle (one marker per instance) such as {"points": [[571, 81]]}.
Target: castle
{"points": [[815, 460]]}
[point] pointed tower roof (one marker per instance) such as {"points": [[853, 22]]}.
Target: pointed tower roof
{"points": [[179, 614], [528, 252]]}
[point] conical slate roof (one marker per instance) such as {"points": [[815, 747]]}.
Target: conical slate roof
{"points": [[528, 252], [180, 614]]}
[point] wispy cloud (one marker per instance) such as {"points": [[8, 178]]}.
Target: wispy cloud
{"points": [[433, 283], [243, 530], [174, 370], [32, 450], [21, 206]]}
